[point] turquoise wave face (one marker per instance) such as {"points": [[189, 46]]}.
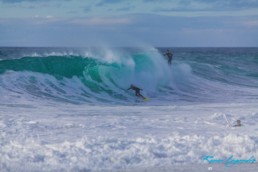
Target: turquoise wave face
{"points": [[196, 75], [56, 66]]}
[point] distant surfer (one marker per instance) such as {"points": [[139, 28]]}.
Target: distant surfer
{"points": [[238, 123], [169, 55], [137, 91]]}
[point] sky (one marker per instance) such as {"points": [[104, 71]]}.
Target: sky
{"points": [[159, 23]]}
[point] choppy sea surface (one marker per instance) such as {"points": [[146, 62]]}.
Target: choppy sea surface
{"points": [[68, 109]]}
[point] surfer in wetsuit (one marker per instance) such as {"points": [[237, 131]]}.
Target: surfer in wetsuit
{"points": [[137, 91], [169, 55], [238, 123]]}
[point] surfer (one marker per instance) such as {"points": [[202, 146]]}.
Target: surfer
{"points": [[169, 55], [137, 91], [238, 123]]}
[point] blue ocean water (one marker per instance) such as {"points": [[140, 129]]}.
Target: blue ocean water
{"points": [[102, 75], [68, 109]]}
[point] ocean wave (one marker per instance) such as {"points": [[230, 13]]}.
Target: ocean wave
{"points": [[105, 75]]}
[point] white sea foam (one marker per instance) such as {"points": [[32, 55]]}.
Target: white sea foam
{"points": [[93, 138], [120, 153], [50, 122]]}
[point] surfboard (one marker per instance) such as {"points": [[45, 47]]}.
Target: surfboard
{"points": [[225, 117], [146, 99]]}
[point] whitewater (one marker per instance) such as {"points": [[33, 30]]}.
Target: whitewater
{"points": [[68, 109]]}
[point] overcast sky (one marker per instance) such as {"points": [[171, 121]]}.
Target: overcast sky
{"points": [[174, 23]]}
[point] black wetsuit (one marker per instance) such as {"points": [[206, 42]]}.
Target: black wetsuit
{"points": [[170, 56], [137, 91]]}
